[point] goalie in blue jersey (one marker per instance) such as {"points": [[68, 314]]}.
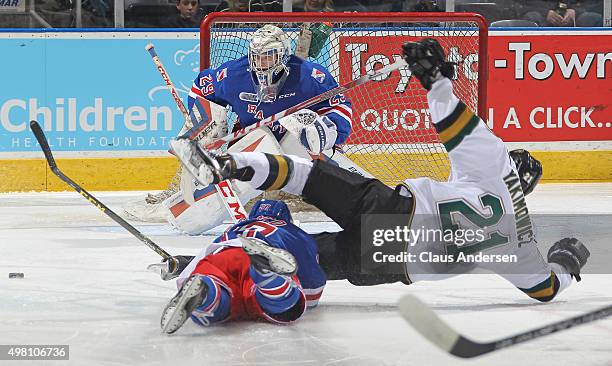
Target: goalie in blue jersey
{"points": [[268, 80]]}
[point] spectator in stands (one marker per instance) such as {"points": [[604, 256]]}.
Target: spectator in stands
{"points": [[314, 6], [563, 13], [189, 15], [250, 5], [426, 6]]}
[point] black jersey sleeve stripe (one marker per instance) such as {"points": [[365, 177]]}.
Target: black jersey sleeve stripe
{"points": [[451, 118], [285, 167], [462, 133]]}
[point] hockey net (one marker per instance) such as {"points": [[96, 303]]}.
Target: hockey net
{"points": [[392, 136]]}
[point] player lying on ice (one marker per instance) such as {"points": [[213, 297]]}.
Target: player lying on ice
{"points": [[262, 268], [266, 81], [485, 190]]}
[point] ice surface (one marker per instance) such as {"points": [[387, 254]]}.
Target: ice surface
{"points": [[86, 285]]}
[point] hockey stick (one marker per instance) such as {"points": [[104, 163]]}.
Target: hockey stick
{"points": [[231, 202], [426, 322], [217, 143], [177, 99], [44, 145]]}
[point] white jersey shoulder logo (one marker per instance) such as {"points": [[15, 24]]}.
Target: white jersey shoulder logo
{"points": [[318, 75]]}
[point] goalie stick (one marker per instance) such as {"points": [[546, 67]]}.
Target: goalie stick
{"points": [[224, 189], [426, 322], [44, 145], [217, 143]]}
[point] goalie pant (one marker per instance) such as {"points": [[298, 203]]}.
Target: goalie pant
{"points": [[483, 186], [237, 291]]}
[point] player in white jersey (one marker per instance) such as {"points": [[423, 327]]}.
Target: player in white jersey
{"points": [[485, 193], [266, 81]]}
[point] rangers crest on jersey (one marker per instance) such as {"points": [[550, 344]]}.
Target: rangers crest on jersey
{"points": [[318, 75], [221, 74]]}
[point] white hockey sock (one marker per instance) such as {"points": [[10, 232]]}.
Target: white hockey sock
{"points": [[565, 279], [275, 172]]}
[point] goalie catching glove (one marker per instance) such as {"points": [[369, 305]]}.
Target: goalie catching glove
{"points": [[316, 133]]}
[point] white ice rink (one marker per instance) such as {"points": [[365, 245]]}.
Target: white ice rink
{"points": [[86, 286]]}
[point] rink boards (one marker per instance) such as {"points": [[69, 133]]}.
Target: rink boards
{"points": [[109, 117]]}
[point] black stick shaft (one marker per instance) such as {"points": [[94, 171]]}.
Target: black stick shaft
{"points": [[467, 348], [554, 327], [44, 145]]}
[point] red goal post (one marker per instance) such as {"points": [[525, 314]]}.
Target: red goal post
{"points": [[392, 137]]}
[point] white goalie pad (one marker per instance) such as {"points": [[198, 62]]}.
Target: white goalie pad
{"points": [[198, 209], [141, 210], [209, 121]]}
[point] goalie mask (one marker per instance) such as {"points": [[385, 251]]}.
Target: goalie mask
{"points": [[269, 53]]}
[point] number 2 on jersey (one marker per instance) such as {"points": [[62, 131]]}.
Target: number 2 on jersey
{"points": [[484, 222]]}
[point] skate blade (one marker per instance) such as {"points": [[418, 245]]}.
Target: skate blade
{"points": [[281, 261], [184, 153], [174, 316]]}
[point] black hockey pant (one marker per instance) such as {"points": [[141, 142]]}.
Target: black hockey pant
{"points": [[344, 197]]}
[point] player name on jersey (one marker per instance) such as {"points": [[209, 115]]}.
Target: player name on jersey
{"points": [[524, 230]]}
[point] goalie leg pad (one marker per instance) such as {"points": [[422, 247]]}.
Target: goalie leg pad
{"points": [[208, 209], [198, 208]]}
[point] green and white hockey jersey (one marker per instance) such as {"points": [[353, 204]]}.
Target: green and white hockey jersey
{"points": [[482, 196]]}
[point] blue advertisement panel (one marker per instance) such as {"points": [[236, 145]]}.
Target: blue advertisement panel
{"points": [[98, 91], [92, 93]]}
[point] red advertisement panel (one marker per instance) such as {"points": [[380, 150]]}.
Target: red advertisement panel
{"points": [[394, 109], [541, 87], [550, 87]]}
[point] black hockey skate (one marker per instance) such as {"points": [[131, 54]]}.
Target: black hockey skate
{"points": [[571, 254], [426, 60], [268, 258], [198, 162], [180, 307]]}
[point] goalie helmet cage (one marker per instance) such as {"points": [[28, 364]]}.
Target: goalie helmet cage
{"points": [[392, 135]]}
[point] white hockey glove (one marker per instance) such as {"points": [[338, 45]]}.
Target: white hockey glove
{"points": [[316, 133]]}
